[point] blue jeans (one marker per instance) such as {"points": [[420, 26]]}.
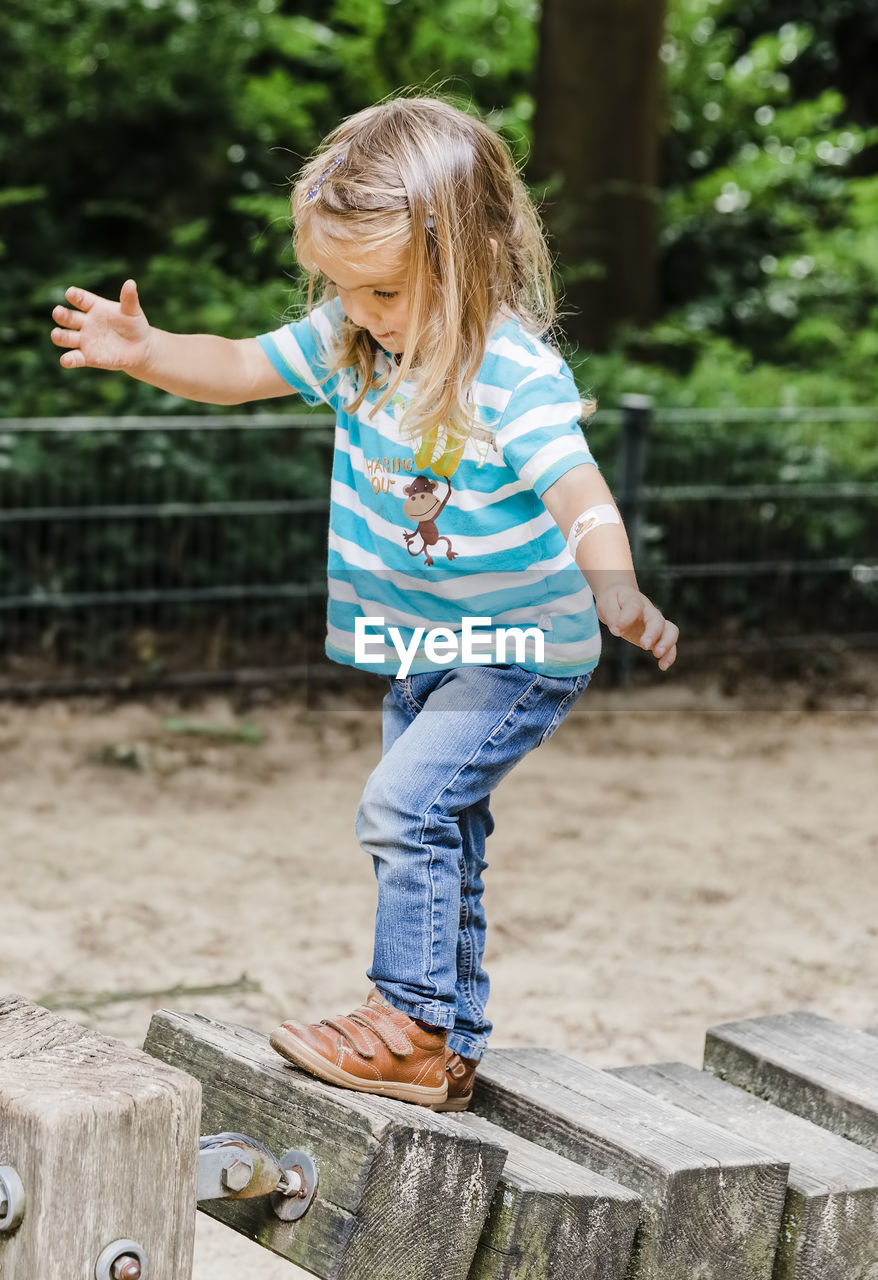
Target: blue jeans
{"points": [[448, 737]]}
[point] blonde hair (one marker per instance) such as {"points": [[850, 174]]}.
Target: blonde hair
{"points": [[418, 177]]}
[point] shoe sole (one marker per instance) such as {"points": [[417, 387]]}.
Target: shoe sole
{"points": [[301, 1056], [453, 1104]]}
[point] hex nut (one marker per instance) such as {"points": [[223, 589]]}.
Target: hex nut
{"points": [[126, 1267], [237, 1175], [122, 1260]]}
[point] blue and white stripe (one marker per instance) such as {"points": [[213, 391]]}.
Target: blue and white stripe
{"points": [[511, 562]]}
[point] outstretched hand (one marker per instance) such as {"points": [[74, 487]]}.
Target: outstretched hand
{"points": [[101, 334], [629, 614]]}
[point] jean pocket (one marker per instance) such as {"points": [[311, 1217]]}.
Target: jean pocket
{"points": [[402, 690], [576, 685]]}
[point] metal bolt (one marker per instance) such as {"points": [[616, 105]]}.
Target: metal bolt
{"points": [[122, 1260], [293, 1183], [237, 1175], [126, 1267], [297, 1187]]}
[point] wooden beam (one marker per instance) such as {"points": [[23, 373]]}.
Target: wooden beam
{"points": [[831, 1210], [711, 1203], [105, 1142], [817, 1068], [404, 1191], [551, 1217]]}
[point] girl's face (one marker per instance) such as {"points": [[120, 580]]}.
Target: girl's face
{"points": [[372, 288]]}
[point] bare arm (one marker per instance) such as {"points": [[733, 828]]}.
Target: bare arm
{"points": [[604, 557], [101, 334]]}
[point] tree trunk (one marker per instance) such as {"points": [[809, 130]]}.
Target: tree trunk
{"points": [[596, 147]]}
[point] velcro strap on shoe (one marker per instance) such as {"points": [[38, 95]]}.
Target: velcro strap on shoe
{"points": [[385, 1029], [360, 1040]]}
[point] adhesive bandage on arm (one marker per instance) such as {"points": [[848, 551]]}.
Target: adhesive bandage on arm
{"points": [[603, 514]]}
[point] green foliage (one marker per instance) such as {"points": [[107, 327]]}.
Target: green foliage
{"points": [[156, 139], [770, 246], [769, 251]]}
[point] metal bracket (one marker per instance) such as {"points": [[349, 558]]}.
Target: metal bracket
{"points": [[12, 1198], [233, 1166]]}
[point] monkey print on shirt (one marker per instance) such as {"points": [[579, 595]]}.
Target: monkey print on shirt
{"points": [[440, 451], [423, 505]]}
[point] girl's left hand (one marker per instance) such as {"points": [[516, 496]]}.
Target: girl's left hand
{"points": [[626, 612]]}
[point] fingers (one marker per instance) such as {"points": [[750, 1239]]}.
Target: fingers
{"points": [[70, 319], [660, 638], [636, 619], [72, 322], [65, 337], [665, 650], [68, 336], [81, 298], [653, 627], [129, 302], [73, 359], [128, 299], [624, 613], [669, 658]]}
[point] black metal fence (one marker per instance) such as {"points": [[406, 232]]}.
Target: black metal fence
{"points": [[756, 528], [143, 552]]}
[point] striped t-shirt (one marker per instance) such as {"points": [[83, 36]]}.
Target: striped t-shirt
{"points": [[439, 557]]}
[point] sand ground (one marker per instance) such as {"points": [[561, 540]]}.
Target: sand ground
{"points": [[672, 858]]}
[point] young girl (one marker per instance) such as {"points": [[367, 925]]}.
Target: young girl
{"points": [[473, 543]]}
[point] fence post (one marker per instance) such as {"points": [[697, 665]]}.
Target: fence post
{"points": [[98, 1154], [631, 471]]}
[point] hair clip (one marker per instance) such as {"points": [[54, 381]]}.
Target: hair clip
{"points": [[430, 222], [315, 190]]}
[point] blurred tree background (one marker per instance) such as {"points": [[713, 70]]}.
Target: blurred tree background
{"points": [[737, 143]]}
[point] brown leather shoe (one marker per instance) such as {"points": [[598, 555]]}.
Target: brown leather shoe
{"points": [[375, 1049], [461, 1074]]}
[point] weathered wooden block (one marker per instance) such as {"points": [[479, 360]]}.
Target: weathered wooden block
{"points": [[105, 1142], [830, 1221], [551, 1217], [404, 1191], [804, 1063], [711, 1204]]}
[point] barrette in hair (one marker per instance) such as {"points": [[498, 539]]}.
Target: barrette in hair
{"points": [[430, 222], [315, 190]]}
